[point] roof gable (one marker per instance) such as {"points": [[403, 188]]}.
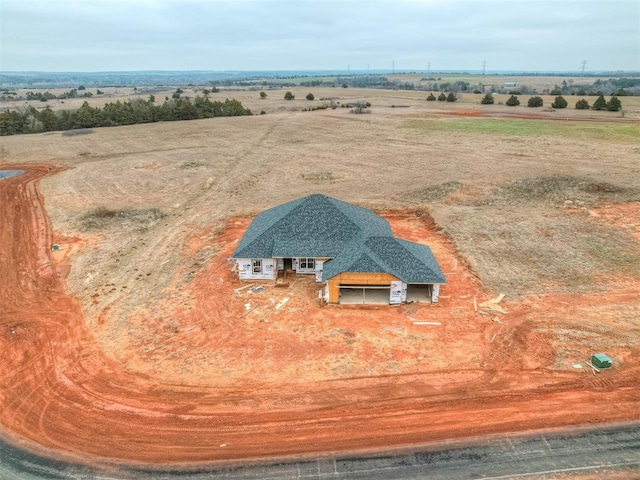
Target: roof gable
{"points": [[353, 238], [315, 225], [408, 261]]}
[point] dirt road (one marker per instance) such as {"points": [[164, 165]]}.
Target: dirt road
{"points": [[58, 390]]}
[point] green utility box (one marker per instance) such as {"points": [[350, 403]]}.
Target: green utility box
{"points": [[600, 360]]}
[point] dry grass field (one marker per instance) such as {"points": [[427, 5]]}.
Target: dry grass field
{"points": [[540, 205]]}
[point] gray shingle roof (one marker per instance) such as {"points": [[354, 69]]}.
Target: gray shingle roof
{"points": [[408, 261], [312, 226], [356, 240]]}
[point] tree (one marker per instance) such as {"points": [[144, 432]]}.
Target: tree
{"points": [[442, 97], [81, 87], [431, 98], [451, 97], [310, 96], [263, 95], [289, 96], [513, 101], [614, 104], [48, 119], [600, 103], [487, 99], [582, 104], [535, 102], [99, 92], [559, 102]]}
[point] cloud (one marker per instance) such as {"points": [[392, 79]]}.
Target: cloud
{"points": [[250, 34]]}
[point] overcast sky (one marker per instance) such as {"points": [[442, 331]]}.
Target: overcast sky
{"points": [[107, 35]]}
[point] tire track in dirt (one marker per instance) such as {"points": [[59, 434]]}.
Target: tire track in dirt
{"points": [[109, 413]]}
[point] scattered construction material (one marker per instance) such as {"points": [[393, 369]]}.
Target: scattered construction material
{"points": [[595, 369], [427, 323], [493, 338], [281, 303], [577, 365], [493, 304], [55, 247], [257, 289], [238, 290], [600, 360]]}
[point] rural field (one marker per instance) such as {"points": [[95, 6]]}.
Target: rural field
{"points": [[131, 343]]}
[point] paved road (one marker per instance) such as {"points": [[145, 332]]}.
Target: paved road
{"points": [[596, 453]]}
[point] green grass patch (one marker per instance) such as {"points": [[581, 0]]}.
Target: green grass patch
{"points": [[527, 128]]}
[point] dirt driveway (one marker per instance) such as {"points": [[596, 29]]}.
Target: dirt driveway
{"points": [[217, 375]]}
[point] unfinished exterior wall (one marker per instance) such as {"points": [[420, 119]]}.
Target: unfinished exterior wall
{"points": [[256, 268], [353, 278], [435, 292]]}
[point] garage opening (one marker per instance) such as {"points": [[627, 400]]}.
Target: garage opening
{"points": [[365, 294], [419, 293]]}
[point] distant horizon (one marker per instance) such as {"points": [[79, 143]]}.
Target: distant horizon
{"points": [[333, 71]]}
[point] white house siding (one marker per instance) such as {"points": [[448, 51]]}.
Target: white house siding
{"points": [[245, 269], [395, 297], [296, 266], [319, 264], [435, 292]]}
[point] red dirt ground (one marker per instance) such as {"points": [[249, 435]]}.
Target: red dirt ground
{"points": [[59, 389]]}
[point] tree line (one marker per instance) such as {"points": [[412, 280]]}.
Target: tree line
{"points": [[613, 105], [130, 112]]}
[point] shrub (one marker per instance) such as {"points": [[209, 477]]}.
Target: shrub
{"points": [[600, 103], [487, 99], [442, 97], [310, 96], [614, 104], [263, 95], [582, 104], [535, 102], [560, 102], [451, 97], [431, 98], [513, 101], [289, 96]]}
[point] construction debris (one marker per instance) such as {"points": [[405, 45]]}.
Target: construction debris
{"points": [[493, 338], [257, 289], [238, 290], [427, 323], [595, 369], [493, 304], [281, 303]]}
